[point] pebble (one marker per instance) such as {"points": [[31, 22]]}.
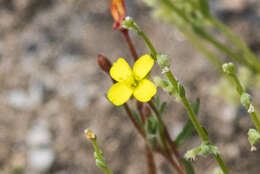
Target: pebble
{"points": [[40, 152]]}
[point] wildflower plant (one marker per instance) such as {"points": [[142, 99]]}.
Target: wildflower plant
{"points": [[190, 17]]}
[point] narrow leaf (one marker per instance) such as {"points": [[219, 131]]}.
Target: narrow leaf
{"points": [[188, 127]]}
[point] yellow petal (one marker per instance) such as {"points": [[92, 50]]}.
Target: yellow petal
{"points": [[145, 90], [119, 93], [143, 66], [121, 71]]}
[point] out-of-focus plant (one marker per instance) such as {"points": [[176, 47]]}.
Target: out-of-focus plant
{"points": [[193, 18], [195, 21]]}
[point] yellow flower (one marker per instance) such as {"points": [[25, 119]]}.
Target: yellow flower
{"points": [[131, 82]]}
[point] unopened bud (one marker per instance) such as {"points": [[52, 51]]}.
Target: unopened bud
{"points": [[253, 137], [90, 135], [228, 68], [218, 171], [163, 61], [245, 99], [104, 63], [164, 84], [204, 149], [128, 23]]}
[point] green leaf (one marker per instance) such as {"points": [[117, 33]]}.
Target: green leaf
{"points": [[162, 108], [196, 106], [151, 125], [205, 130], [204, 6], [157, 101], [181, 90], [188, 166], [100, 164], [137, 117], [188, 127]]}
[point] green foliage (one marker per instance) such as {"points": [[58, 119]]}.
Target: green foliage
{"points": [[188, 127], [188, 166]]}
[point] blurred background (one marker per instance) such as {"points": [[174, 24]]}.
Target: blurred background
{"points": [[51, 88]]}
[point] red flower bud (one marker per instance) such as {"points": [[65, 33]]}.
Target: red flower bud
{"points": [[118, 11], [104, 63]]}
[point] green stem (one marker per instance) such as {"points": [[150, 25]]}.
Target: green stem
{"points": [[255, 119], [146, 39], [100, 157], [194, 120], [240, 90], [184, 100]]}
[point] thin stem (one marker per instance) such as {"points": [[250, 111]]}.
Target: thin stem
{"points": [[130, 44], [150, 160], [194, 120], [100, 157], [255, 119], [146, 39], [166, 135], [241, 90], [129, 114]]}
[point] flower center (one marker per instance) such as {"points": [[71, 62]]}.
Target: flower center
{"points": [[134, 84]]}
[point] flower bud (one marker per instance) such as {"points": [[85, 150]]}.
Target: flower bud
{"points": [[160, 82], [191, 154], [218, 171], [164, 84], [163, 61], [128, 23], [204, 149], [253, 137], [245, 99], [228, 68], [104, 63], [90, 135], [118, 11]]}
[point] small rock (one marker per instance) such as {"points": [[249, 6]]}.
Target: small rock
{"points": [[40, 153]]}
